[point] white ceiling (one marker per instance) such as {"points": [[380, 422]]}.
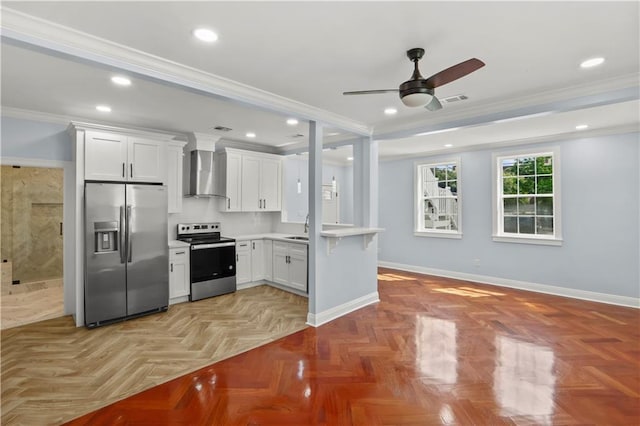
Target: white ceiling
{"points": [[313, 51]]}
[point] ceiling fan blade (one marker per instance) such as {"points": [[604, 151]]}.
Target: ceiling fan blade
{"points": [[434, 105], [370, 92], [453, 73]]}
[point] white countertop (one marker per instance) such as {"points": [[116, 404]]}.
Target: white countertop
{"points": [[178, 244], [347, 232], [270, 236]]}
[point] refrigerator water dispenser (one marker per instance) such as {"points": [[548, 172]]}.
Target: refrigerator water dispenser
{"points": [[106, 236]]}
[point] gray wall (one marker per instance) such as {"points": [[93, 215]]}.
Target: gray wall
{"points": [[600, 220], [35, 139]]}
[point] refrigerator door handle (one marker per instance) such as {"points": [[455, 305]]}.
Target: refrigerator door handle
{"points": [[122, 237], [129, 245]]}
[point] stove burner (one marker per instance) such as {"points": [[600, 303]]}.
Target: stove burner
{"points": [[201, 233]]}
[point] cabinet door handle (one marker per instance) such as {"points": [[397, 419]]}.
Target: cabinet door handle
{"points": [[254, 245], [172, 267], [179, 252], [123, 166], [259, 203], [265, 203], [236, 257], [131, 169], [229, 203]]}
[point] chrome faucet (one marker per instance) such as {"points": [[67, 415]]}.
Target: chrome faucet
{"points": [[306, 224]]}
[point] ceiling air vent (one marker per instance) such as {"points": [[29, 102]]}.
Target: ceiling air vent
{"points": [[455, 98], [222, 129]]}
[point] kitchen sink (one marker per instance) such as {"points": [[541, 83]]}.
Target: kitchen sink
{"points": [[298, 238]]}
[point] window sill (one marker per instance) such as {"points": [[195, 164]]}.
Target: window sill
{"points": [[435, 234], [528, 240]]}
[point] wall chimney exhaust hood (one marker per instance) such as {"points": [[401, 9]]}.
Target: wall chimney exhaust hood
{"points": [[201, 166], [201, 179]]}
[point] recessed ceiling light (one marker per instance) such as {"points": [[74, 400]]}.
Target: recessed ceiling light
{"points": [[593, 62], [350, 158], [121, 81], [292, 122], [205, 34], [333, 134], [390, 111], [103, 108], [448, 145], [250, 135], [581, 126]]}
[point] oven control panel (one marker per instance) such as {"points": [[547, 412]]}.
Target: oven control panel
{"points": [[198, 228]]}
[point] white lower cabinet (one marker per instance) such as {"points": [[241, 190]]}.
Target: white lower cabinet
{"points": [[290, 265], [268, 260], [179, 282], [257, 260], [272, 261], [243, 262]]}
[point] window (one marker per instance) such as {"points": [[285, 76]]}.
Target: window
{"points": [[438, 210], [526, 208]]}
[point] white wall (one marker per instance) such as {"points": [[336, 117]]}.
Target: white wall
{"points": [[232, 223], [600, 221], [39, 144], [297, 205], [35, 139]]}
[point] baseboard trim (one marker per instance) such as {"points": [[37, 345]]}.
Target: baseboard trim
{"points": [[591, 296], [179, 299], [316, 320], [245, 286]]}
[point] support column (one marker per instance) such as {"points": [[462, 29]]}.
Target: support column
{"points": [[315, 210]]}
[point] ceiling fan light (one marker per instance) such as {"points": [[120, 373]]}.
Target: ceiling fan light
{"points": [[415, 100]]}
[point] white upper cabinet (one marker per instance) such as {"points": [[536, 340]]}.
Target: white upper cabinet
{"points": [[146, 159], [260, 183], [175, 156], [114, 157], [251, 199], [250, 181], [270, 184], [229, 177], [105, 156]]}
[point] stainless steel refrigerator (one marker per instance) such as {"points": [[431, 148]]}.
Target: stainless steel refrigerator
{"points": [[126, 251]]}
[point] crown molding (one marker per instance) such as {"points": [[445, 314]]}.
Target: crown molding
{"points": [[25, 114], [130, 131], [82, 123], [558, 137], [25, 29]]}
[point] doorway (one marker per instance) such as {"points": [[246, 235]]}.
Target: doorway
{"points": [[330, 205], [31, 244]]}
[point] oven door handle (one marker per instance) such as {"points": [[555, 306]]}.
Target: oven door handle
{"points": [[210, 246]]}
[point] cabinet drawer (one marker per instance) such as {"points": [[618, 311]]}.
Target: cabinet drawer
{"points": [[178, 254]]}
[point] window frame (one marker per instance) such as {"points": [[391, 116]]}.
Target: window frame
{"points": [[418, 229], [499, 235]]}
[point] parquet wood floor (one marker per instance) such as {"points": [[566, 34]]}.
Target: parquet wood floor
{"points": [[53, 371], [433, 351]]}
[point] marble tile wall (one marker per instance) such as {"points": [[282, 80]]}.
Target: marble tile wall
{"points": [[31, 214]]}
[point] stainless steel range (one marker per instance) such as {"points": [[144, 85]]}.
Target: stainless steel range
{"points": [[213, 259]]}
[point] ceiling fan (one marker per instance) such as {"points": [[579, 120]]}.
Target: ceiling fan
{"points": [[418, 91]]}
